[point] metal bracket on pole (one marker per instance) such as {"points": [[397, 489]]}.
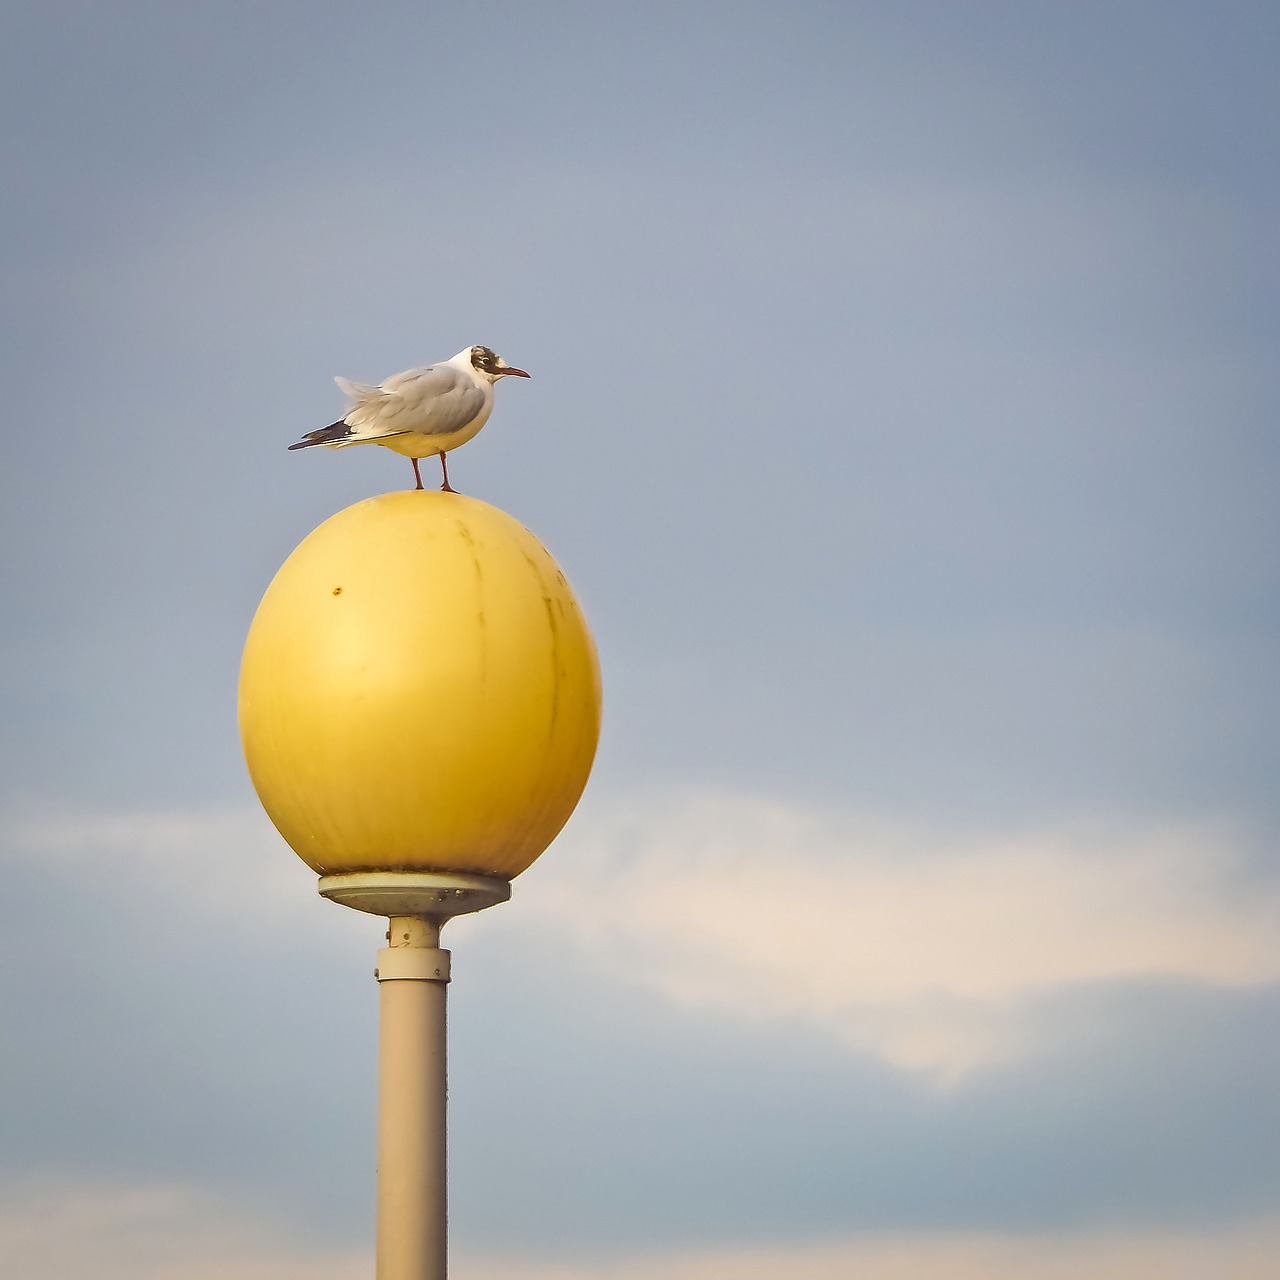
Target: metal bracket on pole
{"points": [[424, 963]]}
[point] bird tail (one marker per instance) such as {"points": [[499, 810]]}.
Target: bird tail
{"points": [[361, 424]]}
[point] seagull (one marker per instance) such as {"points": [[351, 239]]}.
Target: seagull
{"points": [[421, 411]]}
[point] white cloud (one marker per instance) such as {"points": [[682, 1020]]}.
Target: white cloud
{"points": [[223, 862], [1243, 1253], [925, 946], [52, 1228], [55, 1229]]}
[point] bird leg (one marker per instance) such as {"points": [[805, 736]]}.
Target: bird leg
{"points": [[417, 473], [447, 487]]}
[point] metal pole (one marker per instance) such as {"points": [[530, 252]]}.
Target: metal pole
{"points": [[412, 1193]]}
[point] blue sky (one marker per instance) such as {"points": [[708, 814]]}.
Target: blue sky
{"points": [[903, 410]]}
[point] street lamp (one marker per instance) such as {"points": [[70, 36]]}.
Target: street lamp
{"points": [[419, 708]]}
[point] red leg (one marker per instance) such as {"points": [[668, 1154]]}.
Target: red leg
{"points": [[417, 474], [447, 487]]}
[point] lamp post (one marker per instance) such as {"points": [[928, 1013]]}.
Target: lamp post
{"points": [[419, 708]]}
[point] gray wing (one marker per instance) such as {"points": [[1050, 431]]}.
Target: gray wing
{"points": [[435, 401]]}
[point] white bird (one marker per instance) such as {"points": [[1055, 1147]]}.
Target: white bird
{"points": [[421, 411]]}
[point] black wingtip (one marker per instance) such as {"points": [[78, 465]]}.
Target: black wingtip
{"points": [[326, 435]]}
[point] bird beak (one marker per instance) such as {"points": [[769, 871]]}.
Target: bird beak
{"points": [[515, 373]]}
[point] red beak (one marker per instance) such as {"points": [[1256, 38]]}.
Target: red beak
{"points": [[514, 373]]}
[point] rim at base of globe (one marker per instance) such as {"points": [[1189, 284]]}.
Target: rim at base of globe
{"points": [[440, 894]]}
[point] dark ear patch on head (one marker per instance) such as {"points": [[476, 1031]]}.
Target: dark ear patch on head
{"points": [[484, 360]]}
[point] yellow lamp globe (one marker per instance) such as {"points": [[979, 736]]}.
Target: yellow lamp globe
{"points": [[419, 693]]}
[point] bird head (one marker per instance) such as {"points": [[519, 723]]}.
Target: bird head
{"points": [[488, 364]]}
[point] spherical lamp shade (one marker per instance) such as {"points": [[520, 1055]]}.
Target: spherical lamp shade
{"points": [[419, 691]]}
